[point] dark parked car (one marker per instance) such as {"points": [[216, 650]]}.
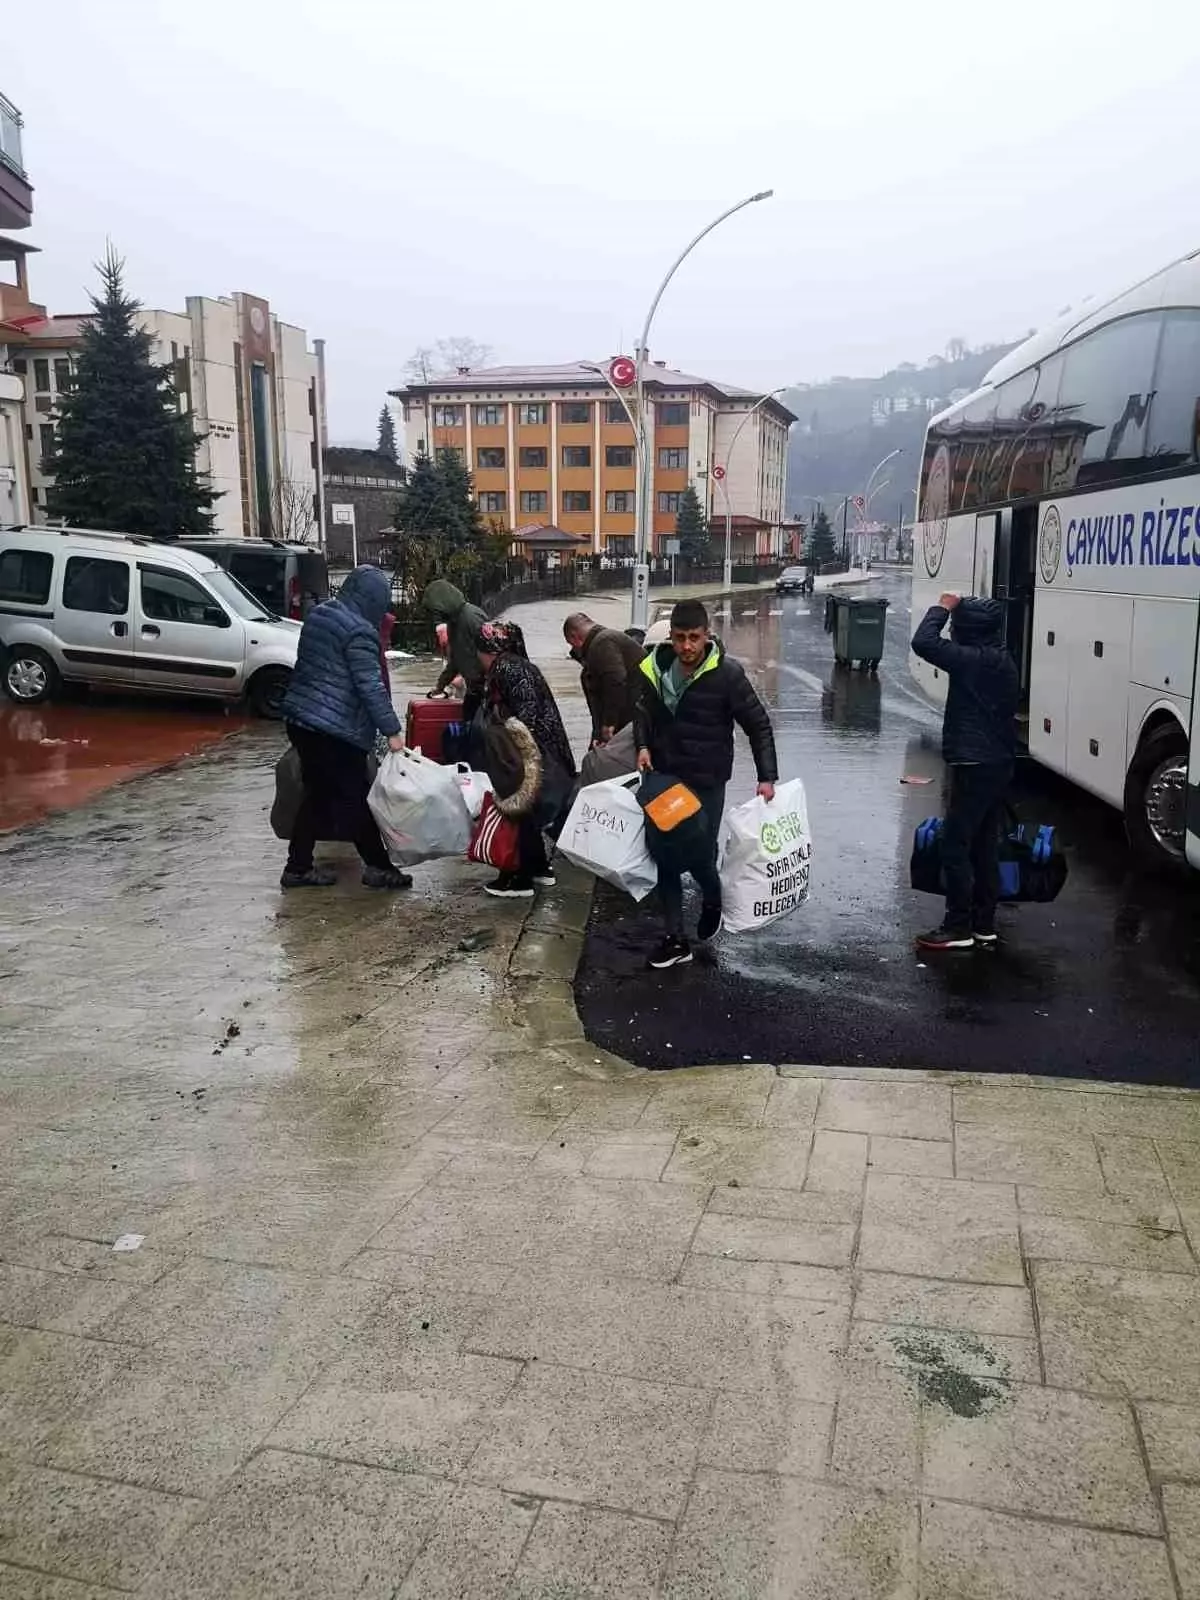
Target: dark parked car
{"points": [[289, 579], [792, 580]]}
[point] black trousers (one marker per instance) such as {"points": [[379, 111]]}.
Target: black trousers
{"points": [[971, 844], [670, 882], [336, 784]]}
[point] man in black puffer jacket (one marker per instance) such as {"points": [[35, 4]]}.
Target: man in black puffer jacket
{"points": [[692, 694], [978, 745]]}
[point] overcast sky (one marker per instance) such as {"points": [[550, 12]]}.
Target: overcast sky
{"points": [[385, 174]]}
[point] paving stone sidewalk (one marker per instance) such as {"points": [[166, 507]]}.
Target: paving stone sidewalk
{"points": [[433, 1299]]}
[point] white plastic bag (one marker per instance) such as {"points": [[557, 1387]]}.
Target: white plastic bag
{"points": [[765, 858], [474, 786], [420, 809], [605, 833]]}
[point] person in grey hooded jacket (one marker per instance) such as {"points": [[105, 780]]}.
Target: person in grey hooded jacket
{"points": [[335, 704]]}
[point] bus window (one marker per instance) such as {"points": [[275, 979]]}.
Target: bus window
{"points": [[1171, 438], [1104, 403], [972, 450], [1008, 436]]}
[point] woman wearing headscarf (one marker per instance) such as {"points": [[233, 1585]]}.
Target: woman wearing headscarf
{"points": [[336, 704], [514, 687]]}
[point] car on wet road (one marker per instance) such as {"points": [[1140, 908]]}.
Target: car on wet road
{"points": [[79, 606], [792, 580]]}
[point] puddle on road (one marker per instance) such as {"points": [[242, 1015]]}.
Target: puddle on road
{"points": [[55, 757]]}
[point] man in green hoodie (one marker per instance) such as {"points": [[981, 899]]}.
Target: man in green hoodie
{"points": [[447, 604]]}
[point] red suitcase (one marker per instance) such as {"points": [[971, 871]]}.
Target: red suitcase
{"points": [[426, 723]]}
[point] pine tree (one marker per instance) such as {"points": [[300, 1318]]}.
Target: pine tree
{"points": [[821, 549], [691, 526], [418, 504], [124, 456], [387, 434], [462, 521]]}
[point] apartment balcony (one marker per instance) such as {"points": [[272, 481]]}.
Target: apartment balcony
{"points": [[16, 191]]}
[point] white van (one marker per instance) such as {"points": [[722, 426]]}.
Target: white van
{"points": [[128, 614]]}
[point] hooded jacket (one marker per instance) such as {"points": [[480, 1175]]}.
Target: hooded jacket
{"points": [[336, 686], [984, 686], [610, 680], [695, 742], [447, 604]]}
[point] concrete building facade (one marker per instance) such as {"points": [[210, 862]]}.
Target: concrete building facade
{"points": [[554, 446], [250, 383], [16, 211]]}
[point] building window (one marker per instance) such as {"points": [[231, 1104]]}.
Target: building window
{"points": [[614, 411], [20, 366], [577, 500], [619, 546], [489, 416], [41, 375], [493, 503], [673, 460], [533, 416], [577, 455], [668, 500], [619, 500], [574, 411], [534, 501], [533, 455], [673, 414], [490, 459], [447, 416], [618, 455], [46, 439]]}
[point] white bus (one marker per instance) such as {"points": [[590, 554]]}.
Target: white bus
{"points": [[1068, 486]]}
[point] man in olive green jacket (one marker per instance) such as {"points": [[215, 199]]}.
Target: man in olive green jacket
{"points": [[447, 604]]}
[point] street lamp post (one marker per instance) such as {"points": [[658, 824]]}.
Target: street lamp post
{"points": [[723, 480], [641, 573]]}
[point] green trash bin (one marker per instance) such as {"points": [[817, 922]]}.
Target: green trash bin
{"points": [[859, 629]]}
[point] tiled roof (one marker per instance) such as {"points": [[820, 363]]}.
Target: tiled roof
{"points": [[547, 533], [573, 375]]}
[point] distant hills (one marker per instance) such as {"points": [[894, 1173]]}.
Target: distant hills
{"points": [[846, 425]]}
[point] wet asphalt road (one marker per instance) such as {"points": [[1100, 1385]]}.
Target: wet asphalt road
{"points": [[1104, 983]]}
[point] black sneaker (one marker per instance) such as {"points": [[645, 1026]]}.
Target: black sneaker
{"points": [[710, 922], [510, 886], [671, 953], [386, 878], [945, 938], [987, 938], [314, 878]]}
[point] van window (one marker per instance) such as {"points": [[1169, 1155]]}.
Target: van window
{"points": [[172, 597], [93, 584], [262, 572], [25, 576]]}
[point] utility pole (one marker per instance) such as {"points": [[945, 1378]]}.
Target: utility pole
{"points": [[845, 537]]}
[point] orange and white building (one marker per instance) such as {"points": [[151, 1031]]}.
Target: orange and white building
{"points": [[553, 447]]}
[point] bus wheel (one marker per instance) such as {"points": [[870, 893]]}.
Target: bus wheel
{"points": [[1156, 798]]}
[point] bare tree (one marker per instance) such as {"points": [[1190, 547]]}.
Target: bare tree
{"points": [[445, 358], [296, 509], [956, 349]]}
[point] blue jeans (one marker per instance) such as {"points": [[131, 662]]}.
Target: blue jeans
{"points": [[670, 882]]}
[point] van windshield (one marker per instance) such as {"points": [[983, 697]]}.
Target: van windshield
{"points": [[240, 601]]}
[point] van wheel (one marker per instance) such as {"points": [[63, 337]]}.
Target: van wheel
{"points": [[30, 677], [267, 691], [1156, 799]]}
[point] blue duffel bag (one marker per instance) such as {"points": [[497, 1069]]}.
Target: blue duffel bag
{"points": [[1032, 866]]}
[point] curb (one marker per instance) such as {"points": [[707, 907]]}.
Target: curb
{"points": [[541, 980]]}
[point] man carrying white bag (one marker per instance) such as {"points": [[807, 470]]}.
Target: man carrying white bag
{"points": [[605, 833], [420, 808], [767, 848]]}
